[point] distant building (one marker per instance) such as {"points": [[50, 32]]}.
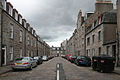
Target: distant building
{"points": [[57, 51], [64, 46]]}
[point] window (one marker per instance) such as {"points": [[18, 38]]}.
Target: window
{"points": [[11, 31], [99, 35], [93, 38], [35, 43], [99, 50], [31, 53], [108, 50], [88, 41], [28, 38], [21, 36], [93, 52], [11, 53], [31, 42], [16, 16], [99, 20], [10, 11], [25, 24], [28, 54], [88, 52], [95, 23], [21, 53]]}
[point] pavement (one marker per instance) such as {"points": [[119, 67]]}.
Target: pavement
{"points": [[117, 70], [5, 69]]}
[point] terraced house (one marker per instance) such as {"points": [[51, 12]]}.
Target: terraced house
{"points": [[17, 37], [96, 32]]}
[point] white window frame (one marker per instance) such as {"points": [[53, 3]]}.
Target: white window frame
{"points": [[10, 10], [11, 53], [21, 35], [28, 54], [32, 42], [21, 52], [28, 40], [16, 16], [11, 31]]}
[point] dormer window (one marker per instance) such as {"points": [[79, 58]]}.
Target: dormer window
{"points": [[20, 19], [4, 4], [24, 23], [99, 20], [28, 28], [95, 23], [10, 9], [15, 14], [32, 31]]}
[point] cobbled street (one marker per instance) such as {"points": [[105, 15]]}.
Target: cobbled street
{"points": [[47, 71]]}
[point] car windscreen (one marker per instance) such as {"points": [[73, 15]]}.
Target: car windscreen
{"points": [[22, 59], [35, 58]]}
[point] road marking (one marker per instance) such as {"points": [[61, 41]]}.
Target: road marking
{"points": [[58, 77], [58, 72], [58, 65]]}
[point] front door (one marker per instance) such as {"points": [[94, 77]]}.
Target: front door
{"points": [[3, 56], [114, 50]]}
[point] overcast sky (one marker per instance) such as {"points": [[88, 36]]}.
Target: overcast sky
{"points": [[53, 20]]}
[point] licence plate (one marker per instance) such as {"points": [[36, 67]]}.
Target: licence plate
{"points": [[18, 63], [85, 60]]}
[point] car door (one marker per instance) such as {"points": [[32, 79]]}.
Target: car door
{"points": [[32, 62]]}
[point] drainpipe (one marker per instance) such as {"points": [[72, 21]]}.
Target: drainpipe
{"points": [[1, 8]]}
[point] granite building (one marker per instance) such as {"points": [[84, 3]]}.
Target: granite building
{"points": [[17, 37]]}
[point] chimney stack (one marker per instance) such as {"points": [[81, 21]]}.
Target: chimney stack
{"points": [[102, 6]]}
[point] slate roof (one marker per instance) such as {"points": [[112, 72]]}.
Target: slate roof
{"points": [[110, 17]]}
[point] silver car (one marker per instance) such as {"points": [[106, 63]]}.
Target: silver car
{"points": [[44, 58], [24, 63]]}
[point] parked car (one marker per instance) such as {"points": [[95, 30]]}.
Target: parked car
{"points": [[24, 63], [67, 56], [103, 63], [83, 60], [63, 56], [73, 59], [38, 59], [50, 57], [44, 58]]}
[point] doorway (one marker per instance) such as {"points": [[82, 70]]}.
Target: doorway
{"points": [[3, 56], [114, 50]]}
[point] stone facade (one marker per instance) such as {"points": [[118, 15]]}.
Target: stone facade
{"points": [[96, 32], [118, 28], [57, 51], [64, 46], [17, 37]]}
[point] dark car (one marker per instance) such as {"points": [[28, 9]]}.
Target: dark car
{"points": [[103, 63], [73, 59], [38, 59], [83, 60]]}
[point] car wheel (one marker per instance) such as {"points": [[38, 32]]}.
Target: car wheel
{"points": [[30, 67], [13, 69], [77, 63]]}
